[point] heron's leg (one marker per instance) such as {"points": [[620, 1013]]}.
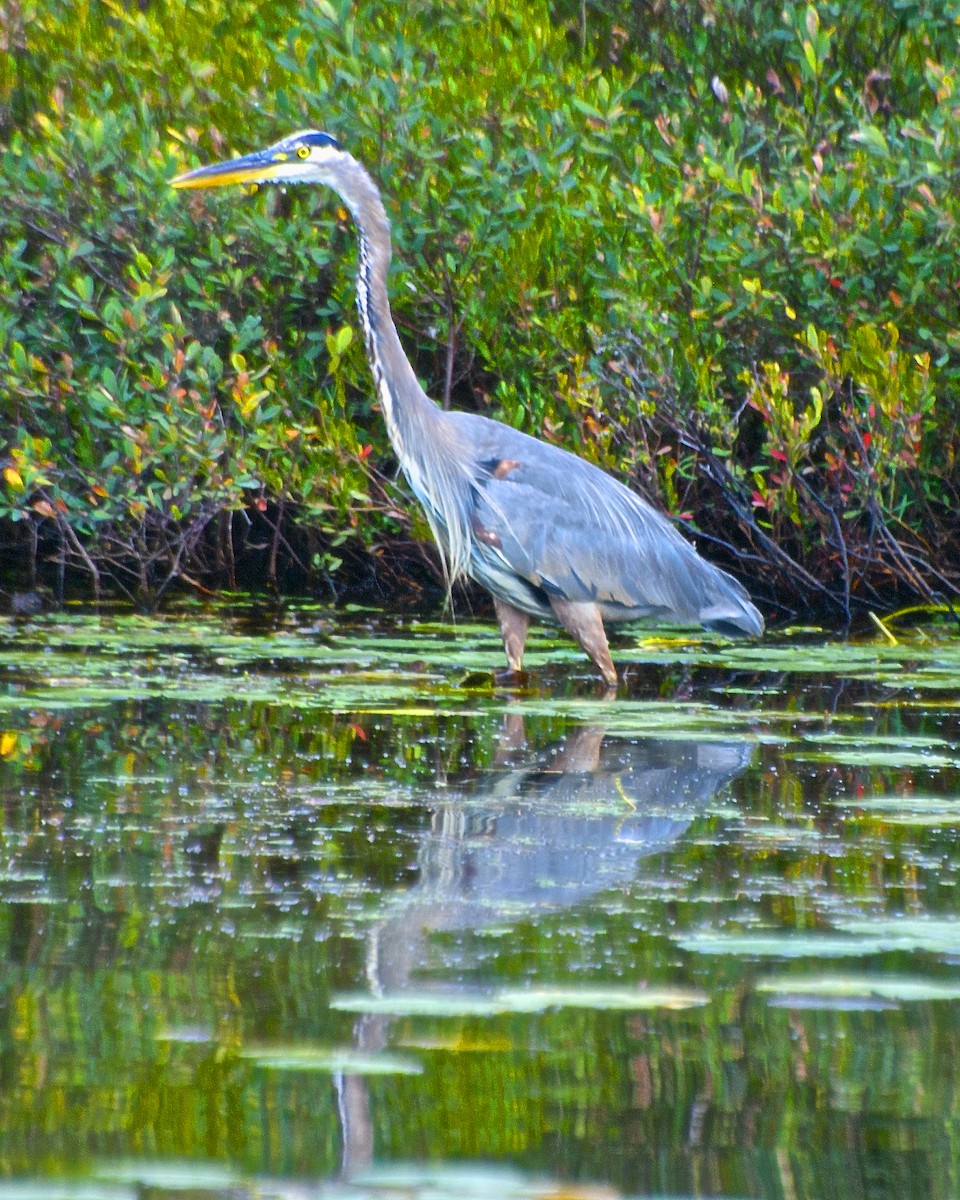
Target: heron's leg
{"points": [[513, 629], [580, 751], [582, 620]]}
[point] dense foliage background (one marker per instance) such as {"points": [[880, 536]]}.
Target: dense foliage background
{"points": [[707, 243]]}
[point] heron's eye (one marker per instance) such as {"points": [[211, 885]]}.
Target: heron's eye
{"points": [[303, 152]]}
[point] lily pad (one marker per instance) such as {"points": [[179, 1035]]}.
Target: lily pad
{"points": [[852, 756], [521, 1000], [905, 810], [419, 1004], [538, 999], [187, 1035], [171, 1175], [66, 1189], [897, 988], [785, 944], [937, 936], [328, 1060]]}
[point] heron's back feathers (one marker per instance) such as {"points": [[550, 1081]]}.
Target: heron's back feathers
{"points": [[547, 524]]}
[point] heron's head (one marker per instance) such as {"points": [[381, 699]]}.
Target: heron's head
{"points": [[305, 157]]}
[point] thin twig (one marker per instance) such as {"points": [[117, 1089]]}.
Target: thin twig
{"points": [[68, 533]]}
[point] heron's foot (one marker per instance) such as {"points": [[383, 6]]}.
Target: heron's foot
{"points": [[509, 677]]}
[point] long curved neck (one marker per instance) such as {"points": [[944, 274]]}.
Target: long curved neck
{"points": [[436, 463], [405, 404]]}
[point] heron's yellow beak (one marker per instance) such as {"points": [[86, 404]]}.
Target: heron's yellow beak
{"points": [[260, 167]]}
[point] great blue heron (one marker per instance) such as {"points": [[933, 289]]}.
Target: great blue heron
{"points": [[548, 533]]}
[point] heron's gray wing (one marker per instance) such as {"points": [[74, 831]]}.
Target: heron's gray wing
{"points": [[573, 531], [587, 546]]}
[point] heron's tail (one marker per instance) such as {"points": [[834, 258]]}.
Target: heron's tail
{"points": [[733, 613]]}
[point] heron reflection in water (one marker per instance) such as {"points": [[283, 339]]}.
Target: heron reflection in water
{"points": [[549, 534], [543, 831]]}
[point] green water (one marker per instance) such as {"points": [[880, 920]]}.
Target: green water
{"points": [[312, 905]]}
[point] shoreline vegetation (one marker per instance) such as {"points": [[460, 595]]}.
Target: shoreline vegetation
{"points": [[710, 246]]}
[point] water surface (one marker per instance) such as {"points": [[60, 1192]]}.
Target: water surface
{"points": [[312, 904]]}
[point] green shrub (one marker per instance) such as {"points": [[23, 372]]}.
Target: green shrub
{"points": [[712, 249]]}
